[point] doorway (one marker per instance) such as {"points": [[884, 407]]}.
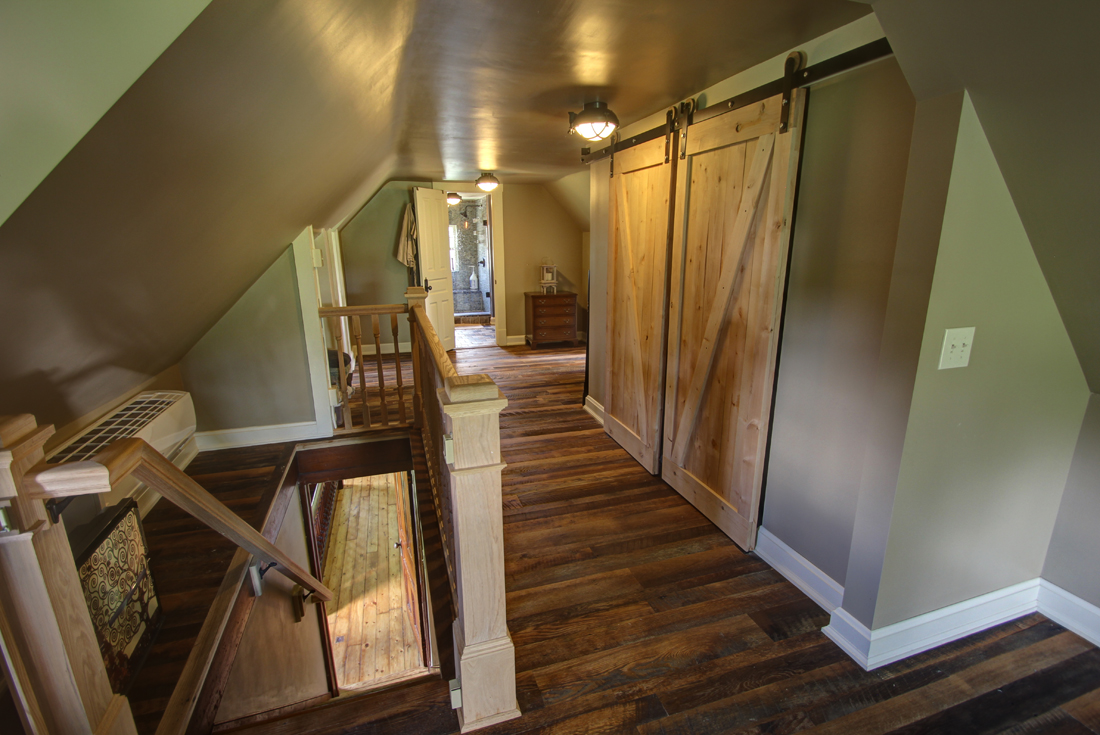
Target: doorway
{"points": [[470, 240]]}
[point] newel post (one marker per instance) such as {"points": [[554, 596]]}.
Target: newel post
{"points": [[486, 660], [50, 656]]}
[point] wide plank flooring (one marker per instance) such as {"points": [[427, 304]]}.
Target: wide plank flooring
{"points": [[631, 613], [373, 640]]}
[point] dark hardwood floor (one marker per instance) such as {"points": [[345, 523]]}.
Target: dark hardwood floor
{"points": [[631, 613], [188, 561]]}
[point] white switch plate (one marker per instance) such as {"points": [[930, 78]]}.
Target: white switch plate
{"points": [[956, 347]]}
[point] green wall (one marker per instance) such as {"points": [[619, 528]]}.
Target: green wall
{"points": [[368, 243], [250, 369], [65, 64], [987, 447]]}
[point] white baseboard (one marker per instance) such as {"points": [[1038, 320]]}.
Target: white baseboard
{"points": [[593, 407], [256, 435], [516, 340], [387, 348], [1070, 611], [874, 648], [818, 586]]}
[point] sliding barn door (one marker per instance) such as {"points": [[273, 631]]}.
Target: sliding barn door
{"points": [[637, 278], [734, 199]]}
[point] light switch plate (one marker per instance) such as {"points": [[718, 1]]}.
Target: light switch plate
{"points": [[956, 347]]}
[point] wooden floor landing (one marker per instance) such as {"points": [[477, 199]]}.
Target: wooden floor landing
{"points": [[631, 613], [373, 640]]}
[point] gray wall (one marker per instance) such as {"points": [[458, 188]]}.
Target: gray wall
{"points": [[597, 264], [987, 447], [368, 243], [1072, 561], [853, 178], [1020, 59], [250, 369], [931, 152]]}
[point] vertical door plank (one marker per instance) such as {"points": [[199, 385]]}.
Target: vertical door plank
{"points": [[731, 237]]}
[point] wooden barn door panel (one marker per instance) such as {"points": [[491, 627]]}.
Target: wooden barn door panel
{"points": [[734, 199], [637, 259]]}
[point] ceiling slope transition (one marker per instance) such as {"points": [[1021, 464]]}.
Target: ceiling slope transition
{"points": [[267, 115], [1027, 66]]}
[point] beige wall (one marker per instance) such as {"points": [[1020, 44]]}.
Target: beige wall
{"points": [[572, 193], [1075, 544], [987, 447], [854, 159], [250, 369], [539, 229]]}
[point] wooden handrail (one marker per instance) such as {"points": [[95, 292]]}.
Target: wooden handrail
{"points": [[360, 310], [460, 388], [135, 456]]}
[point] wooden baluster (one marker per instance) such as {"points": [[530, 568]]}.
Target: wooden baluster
{"points": [[343, 388], [378, 362], [357, 332], [397, 366]]}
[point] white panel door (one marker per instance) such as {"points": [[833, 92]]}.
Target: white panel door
{"points": [[435, 262]]}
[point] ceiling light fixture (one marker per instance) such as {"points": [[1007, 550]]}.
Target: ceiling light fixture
{"points": [[487, 182], [453, 197], [595, 122]]}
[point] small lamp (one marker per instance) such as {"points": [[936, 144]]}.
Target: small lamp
{"points": [[595, 122], [487, 182], [453, 197]]}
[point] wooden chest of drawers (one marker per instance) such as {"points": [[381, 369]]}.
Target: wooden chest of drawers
{"points": [[551, 317]]}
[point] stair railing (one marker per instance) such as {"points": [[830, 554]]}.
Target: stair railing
{"points": [[459, 419], [380, 415], [50, 655]]}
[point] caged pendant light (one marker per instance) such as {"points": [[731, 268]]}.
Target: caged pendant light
{"points": [[595, 122], [487, 182]]}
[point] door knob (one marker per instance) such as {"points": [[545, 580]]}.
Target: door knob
{"points": [[426, 286]]}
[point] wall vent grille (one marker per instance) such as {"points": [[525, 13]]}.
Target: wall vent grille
{"points": [[122, 424]]}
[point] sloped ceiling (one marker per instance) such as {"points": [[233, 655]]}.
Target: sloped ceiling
{"points": [[1028, 67], [267, 115], [65, 64]]}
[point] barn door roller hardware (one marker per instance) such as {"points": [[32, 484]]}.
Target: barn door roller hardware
{"points": [[801, 77], [794, 63], [684, 120]]}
